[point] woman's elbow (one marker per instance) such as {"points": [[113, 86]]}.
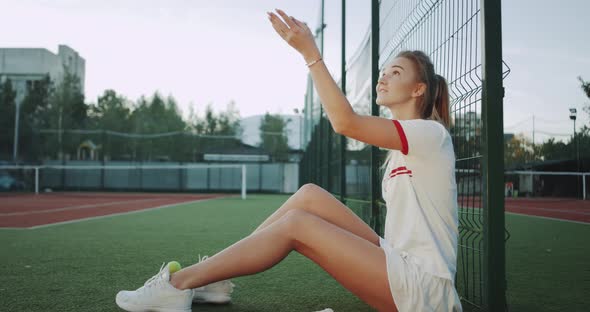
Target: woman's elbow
{"points": [[343, 125]]}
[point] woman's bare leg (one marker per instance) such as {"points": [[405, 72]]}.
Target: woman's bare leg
{"points": [[354, 262], [316, 200]]}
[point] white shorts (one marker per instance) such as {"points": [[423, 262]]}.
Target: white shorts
{"points": [[415, 290]]}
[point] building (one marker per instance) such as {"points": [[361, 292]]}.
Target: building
{"points": [[467, 125], [23, 66], [559, 183]]}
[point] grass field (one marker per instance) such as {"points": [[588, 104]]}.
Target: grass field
{"points": [[82, 265], [547, 264]]}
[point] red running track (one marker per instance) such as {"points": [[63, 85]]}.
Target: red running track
{"points": [[557, 208], [29, 210]]}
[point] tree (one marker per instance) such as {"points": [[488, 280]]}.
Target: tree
{"points": [[585, 85], [7, 114], [519, 150], [214, 132], [36, 102], [111, 114], [67, 105], [224, 123], [552, 150], [33, 115], [583, 139], [158, 116], [229, 121], [209, 124], [273, 138], [66, 110]]}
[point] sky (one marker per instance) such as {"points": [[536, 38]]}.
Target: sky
{"points": [[546, 45], [212, 52]]}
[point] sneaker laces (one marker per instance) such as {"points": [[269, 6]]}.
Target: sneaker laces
{"points": [[204, 257], [154, 279]]}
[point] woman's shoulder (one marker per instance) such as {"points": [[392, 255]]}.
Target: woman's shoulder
{"points": [[439, 123], [431, 124]]}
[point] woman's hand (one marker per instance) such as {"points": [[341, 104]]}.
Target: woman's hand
{"points": [[296, 34]]}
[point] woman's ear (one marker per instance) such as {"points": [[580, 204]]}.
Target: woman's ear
{"points": [[419, 89]]}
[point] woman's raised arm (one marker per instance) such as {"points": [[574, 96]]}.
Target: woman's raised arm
{"points": [[372, 130]]}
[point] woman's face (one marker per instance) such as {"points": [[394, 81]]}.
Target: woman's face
{"points": [[398, 83]]}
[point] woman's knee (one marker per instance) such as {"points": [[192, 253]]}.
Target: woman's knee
{"points": [[308, 191], [293, 222], [309, 188]]}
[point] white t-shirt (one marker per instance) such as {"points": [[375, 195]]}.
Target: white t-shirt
{"points": [[420, 193]]}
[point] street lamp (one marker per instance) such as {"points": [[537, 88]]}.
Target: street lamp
{"points": [[573, 117]]}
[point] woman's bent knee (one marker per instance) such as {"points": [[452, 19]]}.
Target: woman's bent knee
{"points": [[294, 221], [309, 191]]}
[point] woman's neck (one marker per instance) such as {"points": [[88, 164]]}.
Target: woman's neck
{"points": [[404, 111]]}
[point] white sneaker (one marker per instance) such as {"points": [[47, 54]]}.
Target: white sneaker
{"points": [[156, 294], [217, 292]]}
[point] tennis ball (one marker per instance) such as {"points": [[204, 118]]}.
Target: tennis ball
{"points": [[173, 266]]}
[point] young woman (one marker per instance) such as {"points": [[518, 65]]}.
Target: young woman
{"points": [[412, 267]]}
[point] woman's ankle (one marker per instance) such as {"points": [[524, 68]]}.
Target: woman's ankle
{"points": [[176, 281]]}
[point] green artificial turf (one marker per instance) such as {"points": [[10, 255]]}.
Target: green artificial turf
{"points": [[547, 264], [81, 266]]}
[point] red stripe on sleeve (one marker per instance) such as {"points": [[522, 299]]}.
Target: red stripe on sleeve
{"points": [[398, 169], [409, 172], [402, 136]]}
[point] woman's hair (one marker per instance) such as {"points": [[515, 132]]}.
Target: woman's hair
{"points": [[434, 104]]}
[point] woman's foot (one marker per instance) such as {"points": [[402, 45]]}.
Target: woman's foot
{"points": [[218, 292], [157, 294]]}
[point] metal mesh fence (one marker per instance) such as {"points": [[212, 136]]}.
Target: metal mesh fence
{"points": [[121, 176], [452, 33]]}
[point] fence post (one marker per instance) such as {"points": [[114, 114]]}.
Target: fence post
{"points": [[321, 172], [343, 87], [375, 179], [583, 186], [243, 181], [36, 180], [494, 261], [104, 149]]}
